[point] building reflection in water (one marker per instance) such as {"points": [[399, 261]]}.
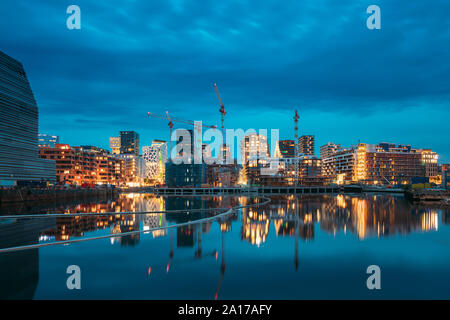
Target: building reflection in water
{"points": [[363, 215], [297, 217]]}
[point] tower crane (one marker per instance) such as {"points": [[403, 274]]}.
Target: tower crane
{"points": [[222, 120], [222, 107]]}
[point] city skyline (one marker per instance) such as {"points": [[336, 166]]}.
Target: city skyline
{"points": [[388, 85]]}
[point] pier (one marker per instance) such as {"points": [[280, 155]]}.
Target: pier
{"points": [[174, 191]]}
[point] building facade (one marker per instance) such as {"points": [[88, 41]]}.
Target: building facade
{"points": [[19, 160], [135, 169], [339, 167], [384, 163], [155, 157], [329, 149], [181, 171], [306, 145], [285, 149], [254, 145], [376, 164], [129, 142], [446, 176], [114, 144], [84, 166]]}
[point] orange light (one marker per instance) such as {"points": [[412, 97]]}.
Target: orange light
{"points": [[149, 270]]}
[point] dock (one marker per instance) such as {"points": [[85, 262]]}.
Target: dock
{"points": [[168, 191]]}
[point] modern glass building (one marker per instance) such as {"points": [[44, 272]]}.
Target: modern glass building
{"points": [[19, 160], [129, 142]]}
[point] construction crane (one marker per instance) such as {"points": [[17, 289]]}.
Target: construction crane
{"points": [[296, 117], [172, 120], [222, 108]]}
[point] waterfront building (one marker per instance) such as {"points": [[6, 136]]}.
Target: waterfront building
{"points": [[338, 168], [19, 160], [185, 174], [84, 165], [114, 144], [446, 176], [222, 175], [384, 163], [181, 169], [430, 162], [155, 157], [254, 145], [394, 164], [306, 145], [129, 142], [329, 149], [285, 149], [46, 140], [282, 171], [135, 169]]}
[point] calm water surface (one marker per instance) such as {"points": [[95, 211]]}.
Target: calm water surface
{"points": [[306, 247]]}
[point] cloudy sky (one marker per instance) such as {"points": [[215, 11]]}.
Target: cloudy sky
{"points": [[269, 58]]}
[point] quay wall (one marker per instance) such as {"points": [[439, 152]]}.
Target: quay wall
{"points": [[32, 194]]}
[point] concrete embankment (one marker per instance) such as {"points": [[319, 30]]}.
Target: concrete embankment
{"points": [[31, 194], [429, 196]]}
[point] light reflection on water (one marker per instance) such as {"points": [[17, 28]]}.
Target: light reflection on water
{"points": [[318, 223]]}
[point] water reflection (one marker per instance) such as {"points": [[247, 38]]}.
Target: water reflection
{"points": [[364, 216]]}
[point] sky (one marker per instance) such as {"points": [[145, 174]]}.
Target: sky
{"points": [[269, 58]]}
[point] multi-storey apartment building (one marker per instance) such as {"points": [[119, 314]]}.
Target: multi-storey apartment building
{"points": [[395, 165], [254, 145], [339, 167], [84, 165], [285, 149], [114, 144], [306, 145], [329, 149]]}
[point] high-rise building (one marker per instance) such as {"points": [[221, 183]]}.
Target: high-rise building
{"points": [[306, 145], [329, 149], [114, 144], [46, 140], [19, 160], [285, 149], [254, 145], [155, 157], [129, 142], [135, 169]]}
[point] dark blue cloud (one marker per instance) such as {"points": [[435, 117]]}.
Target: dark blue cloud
{"points": [[268, 57]]}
